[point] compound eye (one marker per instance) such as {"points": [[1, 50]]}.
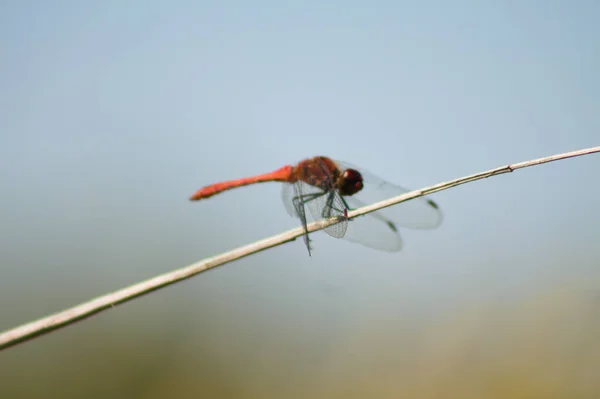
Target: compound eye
{"points": [[352, 176], [353, 181]]}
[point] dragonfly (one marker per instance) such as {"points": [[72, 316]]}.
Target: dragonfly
{"points": [[330, 189]]}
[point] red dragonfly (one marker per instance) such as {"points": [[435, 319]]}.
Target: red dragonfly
{"points": [[330, 189]]}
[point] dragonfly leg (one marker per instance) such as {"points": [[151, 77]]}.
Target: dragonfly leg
{"points": [[326, 213], [330, 206], [302, 215], [348, 207], [298, 201], [304, 199], [346, 204]]}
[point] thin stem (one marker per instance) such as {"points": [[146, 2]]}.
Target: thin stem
{"points": [[69, 316]]}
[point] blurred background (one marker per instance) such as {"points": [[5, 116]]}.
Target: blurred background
{"points": [[113, 113]]}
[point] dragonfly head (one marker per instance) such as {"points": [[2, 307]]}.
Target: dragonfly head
{"points": [[349, 182]]}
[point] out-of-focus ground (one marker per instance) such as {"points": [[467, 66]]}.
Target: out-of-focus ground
{"points": [[540, 345]]}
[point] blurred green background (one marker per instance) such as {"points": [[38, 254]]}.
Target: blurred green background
{"points": [[113, 113]]}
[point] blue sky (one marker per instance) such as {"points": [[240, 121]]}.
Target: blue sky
{"points": [[113, 113]]}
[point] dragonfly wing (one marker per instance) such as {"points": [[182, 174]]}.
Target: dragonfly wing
{"points": [[418, 213], [323, 205], [373, 230], [288, 193], [292, 195]]}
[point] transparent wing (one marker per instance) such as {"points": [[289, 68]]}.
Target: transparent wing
{"points": [[321, 205], [373, 230], [287, 195], [292, 195], [325, 205], [419, 213]]}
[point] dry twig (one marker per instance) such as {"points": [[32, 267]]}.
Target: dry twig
{"points": [[84, 310]]}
